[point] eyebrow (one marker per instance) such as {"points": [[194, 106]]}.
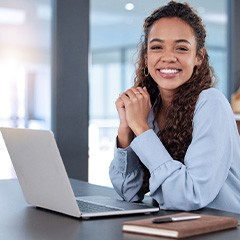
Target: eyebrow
{"points": [[177, 41]]}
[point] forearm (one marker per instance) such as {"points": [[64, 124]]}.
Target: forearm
{"points": [[125, 137], [126, 174], [181, 186]]}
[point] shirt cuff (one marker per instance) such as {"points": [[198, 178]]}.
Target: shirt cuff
{"points": [[126, 159]]}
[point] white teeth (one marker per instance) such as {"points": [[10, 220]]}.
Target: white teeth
{"points": [[169, 71]]}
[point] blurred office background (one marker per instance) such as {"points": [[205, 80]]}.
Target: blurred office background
{"points": [[32, 62]]}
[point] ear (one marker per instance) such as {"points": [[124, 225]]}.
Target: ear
{"points": [[200, 56]]}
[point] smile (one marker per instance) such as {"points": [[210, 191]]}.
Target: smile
{"points": [[169, 71]]}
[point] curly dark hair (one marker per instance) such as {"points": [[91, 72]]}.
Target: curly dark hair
{"points": [[177, 133]]}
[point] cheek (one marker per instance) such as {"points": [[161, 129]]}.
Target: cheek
{"points": [[191, 62], [152, 59]]}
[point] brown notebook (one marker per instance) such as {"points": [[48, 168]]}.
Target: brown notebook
{"points": [[181, 229]]}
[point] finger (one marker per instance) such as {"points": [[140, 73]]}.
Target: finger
{"points": [[142, 91], [131, 93], [125, 98], [138, 92], [135, 90], [139, 95], [145, 94], [119, 102], [145, 90]]}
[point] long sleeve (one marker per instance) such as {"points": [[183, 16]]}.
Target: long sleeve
{"points": [[209, 165], [126, 174], [210, 175]]}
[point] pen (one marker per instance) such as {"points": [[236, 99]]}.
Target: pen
{"points": [[175, 219]]}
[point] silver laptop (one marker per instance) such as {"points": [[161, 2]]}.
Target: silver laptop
{"points": [[44, 181]]}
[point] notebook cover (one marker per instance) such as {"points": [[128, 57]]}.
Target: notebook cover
{"points": [[181, 229]]}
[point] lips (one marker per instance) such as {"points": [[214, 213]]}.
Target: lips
{"points": [[169, 73], [169, 70]]}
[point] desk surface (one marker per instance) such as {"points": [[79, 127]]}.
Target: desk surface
{"points": [[20, 221]]}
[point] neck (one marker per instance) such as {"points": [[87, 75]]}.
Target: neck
{"points": [[166, 99]]}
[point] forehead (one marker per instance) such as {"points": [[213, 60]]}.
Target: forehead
{"points": [[171, 29]]}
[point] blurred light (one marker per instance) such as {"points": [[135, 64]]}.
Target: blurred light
{"points": [[44, 12], [215, 18], [129, 6], [12, 16], [201, 10]]}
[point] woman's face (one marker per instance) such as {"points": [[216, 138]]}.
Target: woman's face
{"points": [[171, 53]]}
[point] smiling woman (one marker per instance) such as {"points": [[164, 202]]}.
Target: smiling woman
{"points": [[169, 141], [171, 54], [112, 65]]}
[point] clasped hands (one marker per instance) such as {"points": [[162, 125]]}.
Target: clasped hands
{"points": [[133, 108]]}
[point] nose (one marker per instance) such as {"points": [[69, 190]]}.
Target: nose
{"points": [[168, 57]]}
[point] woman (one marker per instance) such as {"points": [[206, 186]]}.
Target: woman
{"points": [[177, 136]]}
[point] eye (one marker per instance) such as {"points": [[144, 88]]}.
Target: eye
{"points": [[156, 47], [182, 49]]}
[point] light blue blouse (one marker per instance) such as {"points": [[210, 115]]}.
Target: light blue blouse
{"points": [[210, 175]]}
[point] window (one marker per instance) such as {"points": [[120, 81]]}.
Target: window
{"points": [[25, 69]]}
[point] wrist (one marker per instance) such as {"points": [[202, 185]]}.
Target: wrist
{"points": [[140, 129], [125, 137]]}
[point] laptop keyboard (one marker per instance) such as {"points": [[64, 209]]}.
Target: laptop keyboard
{"points": [[92, 207]]}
